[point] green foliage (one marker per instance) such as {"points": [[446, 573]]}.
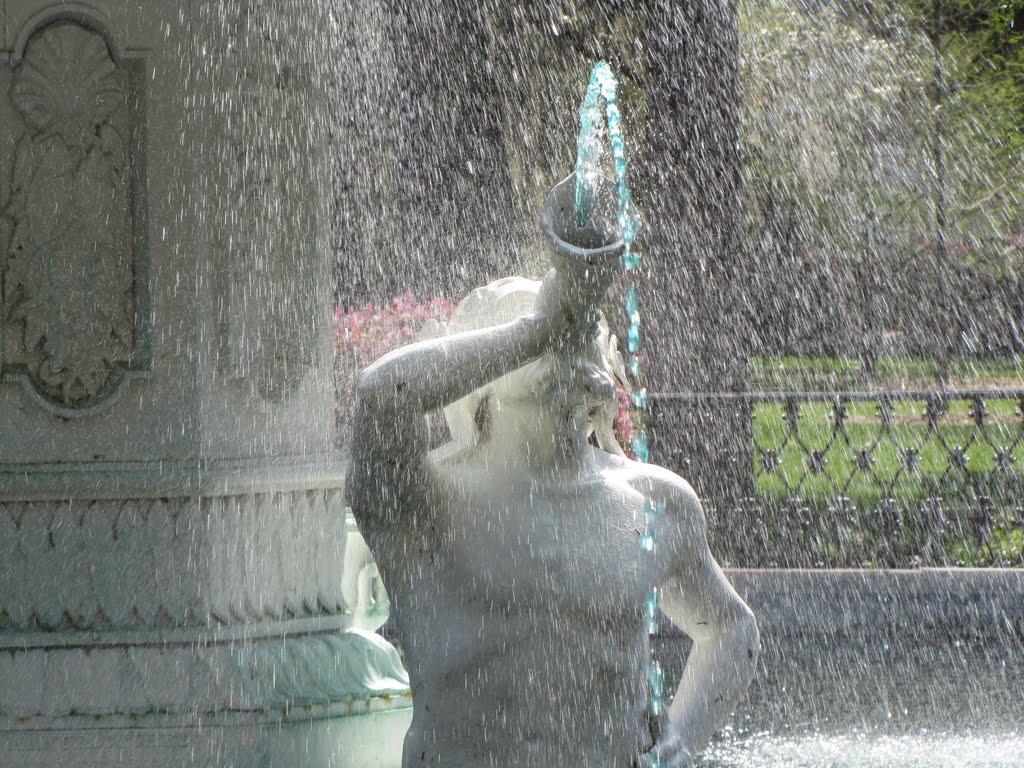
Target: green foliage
{"points": [[883, 158], [981, 96], [991, 49]]}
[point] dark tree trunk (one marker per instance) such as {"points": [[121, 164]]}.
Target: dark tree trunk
{"points": [[434, 204], [699, 325]]}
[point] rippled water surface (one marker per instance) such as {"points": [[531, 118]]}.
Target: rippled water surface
{"points": [[916, 750]]}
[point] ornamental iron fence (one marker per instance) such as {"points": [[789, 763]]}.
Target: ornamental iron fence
{"points": [[894, 478]]}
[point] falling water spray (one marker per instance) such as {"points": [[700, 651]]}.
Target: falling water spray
{"points": [[589, 152]]}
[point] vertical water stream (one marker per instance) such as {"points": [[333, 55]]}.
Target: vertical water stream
{"points": [[589, 152]]}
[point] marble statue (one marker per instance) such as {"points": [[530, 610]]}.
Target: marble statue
{"points": [[510, 552]]}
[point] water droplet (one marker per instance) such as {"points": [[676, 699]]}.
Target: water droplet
{"points": [[630, 258], [641, 449], [633, 337], [655, 679], [655, 706], [647, 540], [633, 301], [651, 610], [630, 228], [652, 511], [636, 368]]}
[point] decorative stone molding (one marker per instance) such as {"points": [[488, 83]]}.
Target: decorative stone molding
{"points": [[74, 312], [353, 667], [341, 672], [176, 561]]}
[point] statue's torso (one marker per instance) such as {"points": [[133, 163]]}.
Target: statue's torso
{"points": [[519, 609]]}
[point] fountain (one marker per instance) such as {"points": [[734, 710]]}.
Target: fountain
{"points": [[179, 582]]}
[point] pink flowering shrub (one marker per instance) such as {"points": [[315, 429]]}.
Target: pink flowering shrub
{"points": [[626, 425], [361, 335]]}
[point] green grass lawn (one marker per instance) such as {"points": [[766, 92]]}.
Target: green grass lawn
{"points": [[908, 460]]}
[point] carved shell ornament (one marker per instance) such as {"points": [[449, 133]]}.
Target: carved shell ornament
{"points": [[69, 309], [68, 84]]}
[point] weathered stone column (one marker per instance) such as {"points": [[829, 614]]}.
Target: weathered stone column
{"points": [[178, 585]]}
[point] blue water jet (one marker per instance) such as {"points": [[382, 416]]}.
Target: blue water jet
{"points": [[590, 154]]}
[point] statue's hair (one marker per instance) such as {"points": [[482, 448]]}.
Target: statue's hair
{"points": [[496, 303]]}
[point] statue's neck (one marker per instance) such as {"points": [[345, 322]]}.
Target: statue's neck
{"points": [[548, 444]]}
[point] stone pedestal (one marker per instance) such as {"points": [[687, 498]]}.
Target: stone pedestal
{"points": [[178, 584]]}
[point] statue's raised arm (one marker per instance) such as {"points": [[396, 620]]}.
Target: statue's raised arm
{"points": [[398, 390]]}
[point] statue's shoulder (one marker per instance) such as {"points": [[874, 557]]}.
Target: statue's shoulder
{"points": [[662, 485], [681, 502]]}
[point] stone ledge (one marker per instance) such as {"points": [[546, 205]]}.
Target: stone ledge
{"points": [[61, 481], [858, 604], [329, 673], [157, 637]]}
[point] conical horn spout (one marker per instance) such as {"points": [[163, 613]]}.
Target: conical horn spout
{"points": [[600, 236]]}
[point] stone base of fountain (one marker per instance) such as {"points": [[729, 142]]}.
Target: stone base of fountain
{"points": [[306, 739], [268, 693], [179, 585]]}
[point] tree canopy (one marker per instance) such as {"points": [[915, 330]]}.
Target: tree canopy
{"points": [[883, 155]]}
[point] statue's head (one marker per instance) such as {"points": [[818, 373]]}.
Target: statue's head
{"points": [[576, 384], [579, 382]]}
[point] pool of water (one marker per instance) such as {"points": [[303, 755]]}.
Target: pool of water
{"points": [[861, 750], [884, 700]]}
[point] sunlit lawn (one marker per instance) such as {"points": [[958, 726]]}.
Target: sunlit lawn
{"points": [[991, 463], [889, 475]]}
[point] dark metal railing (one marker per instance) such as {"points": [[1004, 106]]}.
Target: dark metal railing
{"points": [[848, 478]]}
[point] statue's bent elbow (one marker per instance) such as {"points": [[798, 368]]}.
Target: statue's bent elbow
{"points": [[749, 635]]}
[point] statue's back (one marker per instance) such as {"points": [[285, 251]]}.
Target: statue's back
{"points": [[519, 618]]}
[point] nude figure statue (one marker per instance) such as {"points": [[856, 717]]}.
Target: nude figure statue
{"points": [[511, 553]]}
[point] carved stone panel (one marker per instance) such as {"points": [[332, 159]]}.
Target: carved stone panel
{"points": [[72, 247], [133, 563]]}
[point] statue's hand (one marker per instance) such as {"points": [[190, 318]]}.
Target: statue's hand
{"points": [[568, 315], [671, 749], [589, 276]]}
